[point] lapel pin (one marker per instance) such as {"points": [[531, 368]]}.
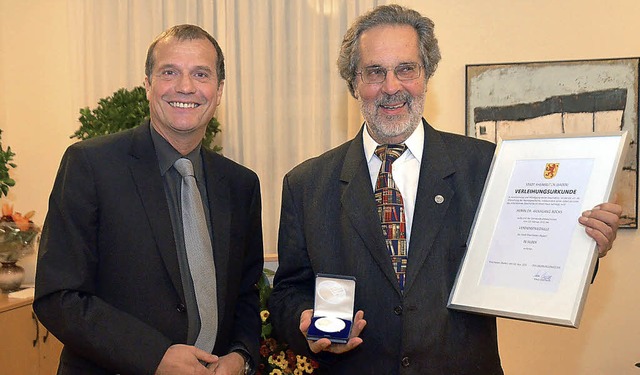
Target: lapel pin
{"points": [[439, 199]]}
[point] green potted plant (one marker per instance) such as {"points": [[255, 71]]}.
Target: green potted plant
{"points": [[125, 109], [6, 162]]}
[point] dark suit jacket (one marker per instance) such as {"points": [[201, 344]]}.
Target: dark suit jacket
{"points": [[329, 224], [108, 283]]}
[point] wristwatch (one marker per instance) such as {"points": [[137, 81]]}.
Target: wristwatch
{"points": [[247, 361]]}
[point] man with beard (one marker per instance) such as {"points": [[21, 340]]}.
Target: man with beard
{"points": [[400, 232]]}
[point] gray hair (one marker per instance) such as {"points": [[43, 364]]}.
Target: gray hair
{"points": [[349, 57], [184, 32]]}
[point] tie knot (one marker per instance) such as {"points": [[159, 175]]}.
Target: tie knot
{"points": [[390, 152], [184, 167]]}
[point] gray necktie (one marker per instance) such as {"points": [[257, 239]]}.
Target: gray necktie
{"points": [[199, 255]]}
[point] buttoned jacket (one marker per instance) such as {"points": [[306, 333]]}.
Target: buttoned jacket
{"points": [[108, 282], [329, 224]]}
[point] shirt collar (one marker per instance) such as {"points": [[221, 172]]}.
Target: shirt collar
{"points": [[167, 155], [415, 143]]}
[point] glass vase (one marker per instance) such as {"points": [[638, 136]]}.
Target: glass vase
{"points": [[11, 277]]}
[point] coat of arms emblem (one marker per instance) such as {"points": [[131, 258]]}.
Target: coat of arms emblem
{"points": [[551, 170]]}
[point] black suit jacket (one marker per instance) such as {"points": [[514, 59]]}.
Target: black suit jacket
{"points": [[329, 224], [108, 283]]}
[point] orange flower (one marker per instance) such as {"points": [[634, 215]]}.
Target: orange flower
{"points": [[22, 222], [7, 209], [29, 214]]}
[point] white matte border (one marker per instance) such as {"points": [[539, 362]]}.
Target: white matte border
{"points": [[564, 306]]}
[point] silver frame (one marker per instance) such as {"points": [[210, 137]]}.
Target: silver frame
{"points": [[564, 306]]}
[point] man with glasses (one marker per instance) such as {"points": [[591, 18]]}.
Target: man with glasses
{"points": [[393, 207]]}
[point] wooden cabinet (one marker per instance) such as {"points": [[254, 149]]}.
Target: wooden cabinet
{"points": [[26, 347]]}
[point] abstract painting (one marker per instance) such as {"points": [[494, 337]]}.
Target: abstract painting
{"points": [[571, 97]]}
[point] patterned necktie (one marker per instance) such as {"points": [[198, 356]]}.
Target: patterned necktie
{"points": [[199, 255], [391, 210]]}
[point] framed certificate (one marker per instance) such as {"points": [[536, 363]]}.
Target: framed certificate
{"points": [[527, 256]]}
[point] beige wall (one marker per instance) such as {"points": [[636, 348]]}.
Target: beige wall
{"points": [[37, 115], [494, 31]]}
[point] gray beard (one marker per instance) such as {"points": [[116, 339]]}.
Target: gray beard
{"points": [[385, 128]]}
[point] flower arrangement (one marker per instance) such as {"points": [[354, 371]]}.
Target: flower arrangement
{"points": [[17, 231], [275, 357], [17, 234]]}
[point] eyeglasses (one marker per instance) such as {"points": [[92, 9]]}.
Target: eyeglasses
{"points": [[377, 74]]}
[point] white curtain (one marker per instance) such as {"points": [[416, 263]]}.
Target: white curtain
{"points": [[284, 100]]}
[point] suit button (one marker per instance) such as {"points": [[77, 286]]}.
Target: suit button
{"points": [[181, 308], [397, 310], [405, 362]]}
